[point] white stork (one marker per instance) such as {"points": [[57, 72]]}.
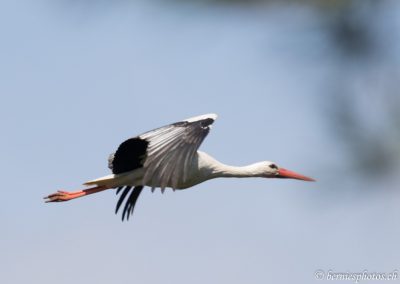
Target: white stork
{"points": [[168, 157]]}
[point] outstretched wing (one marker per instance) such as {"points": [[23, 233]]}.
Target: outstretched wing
{"points": [[172, 148], [165, 153]]}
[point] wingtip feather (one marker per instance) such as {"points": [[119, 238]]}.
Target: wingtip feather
{"points": [[201, 117]]}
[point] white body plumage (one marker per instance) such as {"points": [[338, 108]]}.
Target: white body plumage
{"points": [[202, 167]]}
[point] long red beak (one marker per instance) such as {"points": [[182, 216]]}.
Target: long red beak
{"points": [[284, 173]]}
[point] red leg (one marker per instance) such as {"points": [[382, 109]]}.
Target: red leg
{"points": [[60, 195]]}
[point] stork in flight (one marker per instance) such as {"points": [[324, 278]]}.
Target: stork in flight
{"points": [[168, 157]]}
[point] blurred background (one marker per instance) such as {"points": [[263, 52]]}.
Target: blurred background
{"points": [[311, 85]]}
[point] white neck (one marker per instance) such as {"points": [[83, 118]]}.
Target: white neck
{"points": [[216, 169], [223, 170]]}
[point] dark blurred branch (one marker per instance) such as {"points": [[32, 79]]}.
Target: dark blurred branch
{"points": [[366, 118]]}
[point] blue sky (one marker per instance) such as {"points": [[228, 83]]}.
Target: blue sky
{"points": [[77, 80]]}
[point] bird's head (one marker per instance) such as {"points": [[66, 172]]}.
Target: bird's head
{"points": [[272, 170]]}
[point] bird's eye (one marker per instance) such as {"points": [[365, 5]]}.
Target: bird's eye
{"points": [[273, 166]]}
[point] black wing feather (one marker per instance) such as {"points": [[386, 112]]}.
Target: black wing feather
{"points": [[119, 189], [130, 202], [122, 197], [129, 156]]}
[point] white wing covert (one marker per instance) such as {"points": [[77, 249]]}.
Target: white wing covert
{"points": [[171, 150]]}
